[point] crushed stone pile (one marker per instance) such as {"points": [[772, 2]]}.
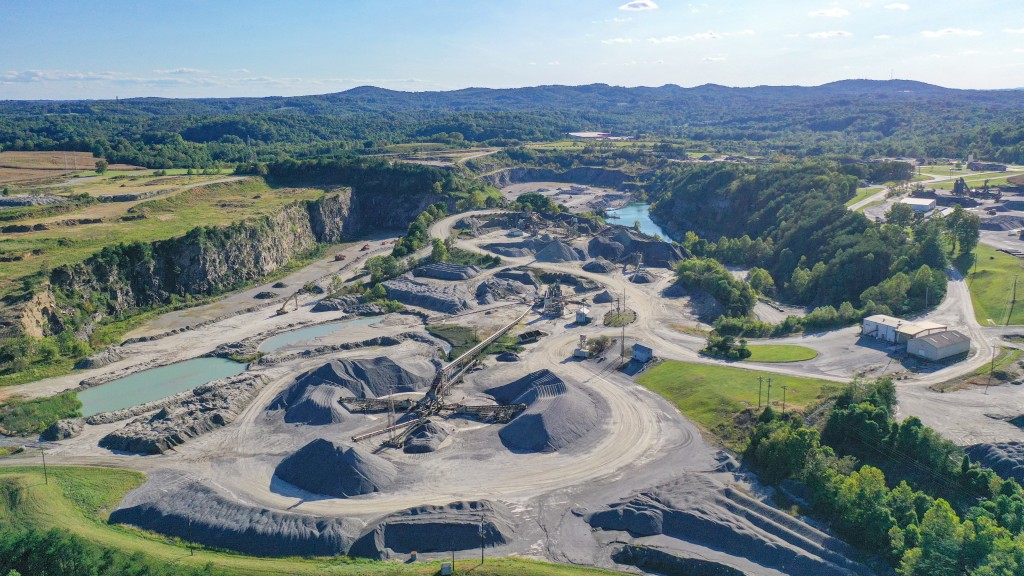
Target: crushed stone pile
{"points": [[694, 510], [642, 277], [511, 249], [31, 200], [336, 303], [195, 512], [599, 266], [493, 289], [1002, 222], [100, 359], [265, 295], [208, 407], [507, 357], [446, 271], [447, 299], [468, 223], [324, 467], [64, 429], [604, 298], [313, 397], [557, 416], [1005, 458], [601, 247], [559, 251], [426, 437], [520, 276], [617, 243], [456, 526]]}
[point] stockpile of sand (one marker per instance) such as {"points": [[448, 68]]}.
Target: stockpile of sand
{"points": [[557, 416], [599, 266], [323, 467], [426, 436], [456, 526], [558, 251], [313, 397]]}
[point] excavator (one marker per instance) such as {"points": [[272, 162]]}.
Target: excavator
{"points": [[284, 307]]}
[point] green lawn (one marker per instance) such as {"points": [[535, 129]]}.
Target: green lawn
{"points": [[870, 205], [780, 353], [863, 193], [997, 179], [714, 396], [79, 499], [991, 282], [34, 416]]}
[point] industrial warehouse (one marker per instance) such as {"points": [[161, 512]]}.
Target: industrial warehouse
{"points": [[926, 340]]}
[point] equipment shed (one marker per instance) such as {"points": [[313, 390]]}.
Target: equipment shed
{"points": [[940, 345]]}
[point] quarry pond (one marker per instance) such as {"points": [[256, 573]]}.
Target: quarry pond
{"points": [[637, 212], [155, 384], [304, 335]]}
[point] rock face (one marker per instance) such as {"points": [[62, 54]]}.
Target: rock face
{"points": [[447, 299], [446, 271], [582, 175], [195, 512], [323, 467], [64, 429], [208, 407], [557, 416], [313, 397], [456, 526], [100, 359], [207, 261]]}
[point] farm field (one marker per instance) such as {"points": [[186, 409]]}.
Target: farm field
{"points": [[21, 167], [79, 499], [178, 210], [991, 284], [714, 395]]}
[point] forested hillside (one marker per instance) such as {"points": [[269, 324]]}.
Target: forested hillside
{"points": [[862, 118]]}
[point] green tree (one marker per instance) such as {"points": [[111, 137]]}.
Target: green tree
{"points": [[101, 166], [760, 280], [942, 541], [439, 253], [900, 214]]}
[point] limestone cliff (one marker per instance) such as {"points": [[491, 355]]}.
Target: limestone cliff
{"points": [[591, 176]]}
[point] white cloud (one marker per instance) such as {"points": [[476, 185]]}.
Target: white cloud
{"points": [[615, 20], [882, 37], [638, 5], [665, 40], [829, 34], [834, 12], [709, 35], [949, 32], [241, 70], [182, 71], [1019, 50], [1014, 30], [554, 63], [790, 35], [713, 59], [897, 6], [617, 41]]}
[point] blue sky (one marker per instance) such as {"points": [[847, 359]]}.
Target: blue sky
{"points": [[63, 49]]}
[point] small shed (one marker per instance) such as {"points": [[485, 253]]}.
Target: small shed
{"points": [[530, 337], [583, 316], [642, 353], [919, 204], [939, 346]]}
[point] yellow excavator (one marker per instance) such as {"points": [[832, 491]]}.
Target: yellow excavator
{"points": [[284, 307]]}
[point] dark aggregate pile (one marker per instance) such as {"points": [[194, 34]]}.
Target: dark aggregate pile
{"points": [[599, 266], [447, 299], [729, 521], [64, 429], [198, 514], [265, 295], [31, 200], [511, 249], [313, 397], [558, 251], [1005, 458], [642, 277], [604, 298], [557, 416], [437, 529], [507, 357], [1002, 223], [206, 408], [426, 437], [446, 271], [493, 289], [520, 276], [653, 560], [323, 467], [336, 303], [618, 242], [100, 359]]}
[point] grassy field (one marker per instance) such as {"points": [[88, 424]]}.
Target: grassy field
{"points": [[780, 353], [34, 416], [461, 338], [24, 167], [863, 193], [870, 205], [714, 396], [994, 179], [991, 284], [214, 204], [79, 499]]}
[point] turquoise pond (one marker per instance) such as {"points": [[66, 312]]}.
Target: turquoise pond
{"points": [[637, 212], [303, 335], [155, 384]]}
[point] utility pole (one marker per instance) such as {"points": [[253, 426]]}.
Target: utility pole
{"points": [[1013, 301], [769, 401], [784, 399], [482, 540], [991, 368], [760, 380], [46, 476], [191, 546]]}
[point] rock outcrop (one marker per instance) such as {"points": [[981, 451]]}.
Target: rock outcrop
{"points": [[64, 429]]}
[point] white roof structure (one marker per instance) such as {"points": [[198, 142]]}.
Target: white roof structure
{"points": [[905, 326], [919, 203]]}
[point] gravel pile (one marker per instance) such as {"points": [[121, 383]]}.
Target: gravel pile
{"points": [[558, 251], [1002, 222], [206, 408], [511, 249], [313, 397], [493, 289], [726, 520], [618, 242], [447, 299], [335, 304], [64, 429], [604, 298], [426, 436], [520, 276], [1005, 458], [195, 512], [265, 295], [642, 277], [456, 526], [100, 359], [31, 200], [557, 416], [446, 271], [599, 266], [323, 467]]}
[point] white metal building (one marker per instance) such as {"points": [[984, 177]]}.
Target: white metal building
{"points": [[920, 204], [939, 345], [896, 330], [583, 316]]}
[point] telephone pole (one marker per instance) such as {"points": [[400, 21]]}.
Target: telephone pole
{"points": [[768, 403], [991, 368], [760, 380], [46, 476], [784, 399]]}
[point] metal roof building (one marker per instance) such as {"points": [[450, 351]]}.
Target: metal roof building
{"points": [[897, 330], [939, 345]]}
